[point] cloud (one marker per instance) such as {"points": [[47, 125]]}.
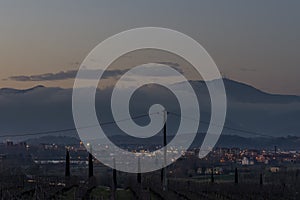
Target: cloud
{"points": [[156, 70], [86, 74], [173, 65], [46, 77], [64, 75]]}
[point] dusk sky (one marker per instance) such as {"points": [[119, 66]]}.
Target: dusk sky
{"points": [[255, 42]]}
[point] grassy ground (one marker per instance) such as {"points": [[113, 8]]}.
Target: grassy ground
{"points": [[101, 192], [68, 195], [105, 193], [124, 194]]}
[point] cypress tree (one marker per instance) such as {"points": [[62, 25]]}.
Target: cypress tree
{"points": [[236, 176], [67, 171], [212, 179], [91, 168], [139, 175]]}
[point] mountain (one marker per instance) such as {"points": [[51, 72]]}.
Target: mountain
{"points": [[42, 109], [244, 93], [7, 91]]}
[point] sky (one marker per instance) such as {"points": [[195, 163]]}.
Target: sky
{"points": [[254, 42]]}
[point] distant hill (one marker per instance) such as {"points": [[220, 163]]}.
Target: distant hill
{"points": [[59, 140], [284, 143], [41, 108], [225, 141]]}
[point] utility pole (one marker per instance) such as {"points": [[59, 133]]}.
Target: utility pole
{"points": [[164, 170]]}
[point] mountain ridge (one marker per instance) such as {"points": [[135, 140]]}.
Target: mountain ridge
{"points": [[225, 80], [50, 108]]}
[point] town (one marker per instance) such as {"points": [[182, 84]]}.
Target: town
{"points": [[48, 171]]}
